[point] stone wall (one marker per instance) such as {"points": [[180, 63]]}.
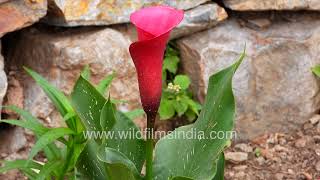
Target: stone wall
{"points": [[274, 87]]}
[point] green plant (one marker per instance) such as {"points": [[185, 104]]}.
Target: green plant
{"points": [[176, 98], [76, 157], [88, 110], [116, 157]]}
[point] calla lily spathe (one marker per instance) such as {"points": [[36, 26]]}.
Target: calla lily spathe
{"points": [[153, 25]]}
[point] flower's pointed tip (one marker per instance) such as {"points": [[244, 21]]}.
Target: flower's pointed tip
{"points": [[166, 17]]}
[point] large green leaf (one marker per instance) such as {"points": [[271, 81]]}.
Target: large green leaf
{"points": [[77, 150], [195, 157], [88, 103], [88, 165], [125, 137], [118, 167], [107, 117], [220, 168]]}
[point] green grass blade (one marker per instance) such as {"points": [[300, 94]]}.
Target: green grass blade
{"points": [[23, 113], [48, 138], [86, 73], [23, 165], [37, 129], [134, 113], [51, 151], [60, 101], [47, 169], [105, 83]]}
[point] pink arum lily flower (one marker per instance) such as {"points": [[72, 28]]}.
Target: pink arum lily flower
{"points": [[153, 25]]}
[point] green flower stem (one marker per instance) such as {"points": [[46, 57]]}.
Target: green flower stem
{"points": [[149, 145]]}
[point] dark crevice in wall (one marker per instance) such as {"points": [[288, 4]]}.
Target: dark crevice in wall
{"points": [[272, 13], [220, 3]]}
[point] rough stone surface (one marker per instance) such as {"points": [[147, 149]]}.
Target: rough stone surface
{"points": [[16, 14], [274, 87], [60, 55], [101, 12], [236, 156], [12, 140], [258, 5], [315, 119], [197, 19], [3, 78], [244, 148]]}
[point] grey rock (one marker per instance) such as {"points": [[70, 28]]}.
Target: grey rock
{"points": [[260, 160], [240, 167], [3, 78], [198, 19], [254, 5], [274, 87], [101, 12], [244, 147], [315, 119], [12, 140], [303, 142], [60, 56], [17, 14], [236, 156]]}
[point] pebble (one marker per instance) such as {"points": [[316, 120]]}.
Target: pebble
{"points": [[240, 167], [236, 156], [279, 148], [315, 119], [240, 174], [290, 171], [307, 126], [282, 141], [300, 143], [244, 147], [260, 160]]}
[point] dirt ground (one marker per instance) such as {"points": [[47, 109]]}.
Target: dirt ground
{"points": [[277, 156]]}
